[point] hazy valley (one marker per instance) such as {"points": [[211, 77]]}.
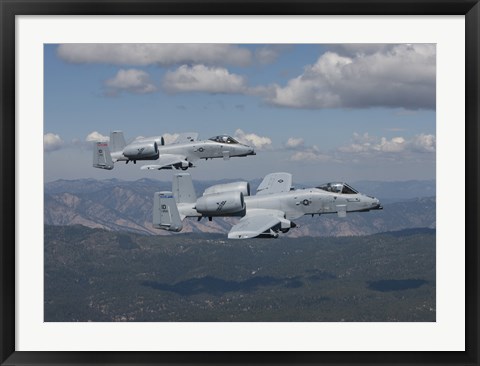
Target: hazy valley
{"points": [[99, 275]]}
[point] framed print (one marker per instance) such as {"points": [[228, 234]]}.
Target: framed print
{"points": [[215, 126]]}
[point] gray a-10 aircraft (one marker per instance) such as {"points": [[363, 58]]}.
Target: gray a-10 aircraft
{"points": [[178, 155], [263, 215]]}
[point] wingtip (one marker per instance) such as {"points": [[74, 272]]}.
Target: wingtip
{"points": [[149, 167], [237, 236]]}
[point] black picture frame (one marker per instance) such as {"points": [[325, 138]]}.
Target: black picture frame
{"points": [[11, 8]]}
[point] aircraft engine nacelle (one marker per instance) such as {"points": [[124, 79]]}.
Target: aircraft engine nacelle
{"points": [[159, 140], [243, 187], [221, 204], [141, 151], [286, 225]]}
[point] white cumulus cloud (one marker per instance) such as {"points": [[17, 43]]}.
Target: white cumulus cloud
{"points": [[269, 53], [96, 136], [310, 156], [201, 78], [294, 142], [258, 142], [131, 80], [52, 142], [424, 143], [144, 54], [370, 144], [396, 144], [401, 76], [307, 154]]}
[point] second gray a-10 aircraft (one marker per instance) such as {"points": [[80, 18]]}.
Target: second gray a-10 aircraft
{"points": [[263, 215], [180, 154]]}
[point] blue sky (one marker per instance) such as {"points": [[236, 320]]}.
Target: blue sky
{"points": [[322, 112]]}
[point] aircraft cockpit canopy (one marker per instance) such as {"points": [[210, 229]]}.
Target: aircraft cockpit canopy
{"points": [[338, 188], [224, 139]]}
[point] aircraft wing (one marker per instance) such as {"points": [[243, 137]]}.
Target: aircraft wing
{"points": [[275, 183], [168, 161], [255, 223], [186, 137]]}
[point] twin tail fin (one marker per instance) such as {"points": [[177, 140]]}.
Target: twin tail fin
{"points": [[101, 156], [165, 212]]}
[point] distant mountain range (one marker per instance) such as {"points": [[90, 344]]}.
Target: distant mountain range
{"points": [[118, 205], [385, 191]]}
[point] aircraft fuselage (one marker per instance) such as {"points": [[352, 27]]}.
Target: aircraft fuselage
{"points": [[206, 150], [196, 150], [299, 202], [311, 201]]}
